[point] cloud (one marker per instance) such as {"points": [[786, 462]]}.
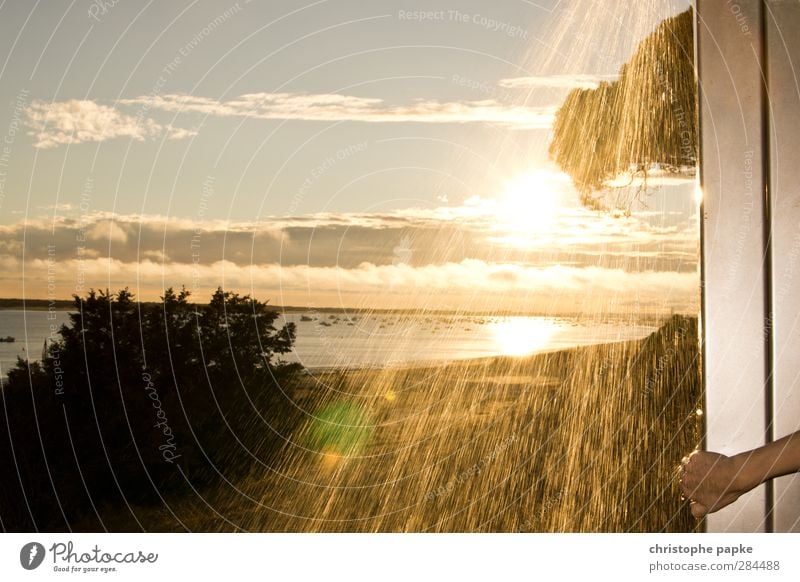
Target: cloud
{"points": [[467, 284], [654, 177], [262, 105], [79, 121], [447, 257], [107, 230], [575, 81], [424, 236], [333, 107]]}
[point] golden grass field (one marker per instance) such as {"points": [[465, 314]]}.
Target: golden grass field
{"points": [[581, 440]]}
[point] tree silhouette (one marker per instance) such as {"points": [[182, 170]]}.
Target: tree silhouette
{"points": [[135, 400], [644, 120]]}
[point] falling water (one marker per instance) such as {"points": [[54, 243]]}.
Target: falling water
{"points": [[583, 439]]}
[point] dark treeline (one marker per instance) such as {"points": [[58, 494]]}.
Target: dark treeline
{"points": [[646, 117], [138, 402]]}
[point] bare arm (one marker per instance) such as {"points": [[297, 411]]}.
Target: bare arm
{"points": [[712, 480], [774, 459]]}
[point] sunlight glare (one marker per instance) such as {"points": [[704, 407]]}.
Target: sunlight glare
{"points": [[698, 195], [528, 203], [520, 336]]}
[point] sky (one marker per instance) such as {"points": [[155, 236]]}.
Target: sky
{"points": [[323, 153]]}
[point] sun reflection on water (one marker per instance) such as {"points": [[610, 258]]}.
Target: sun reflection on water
{"points": [[520, 336]]}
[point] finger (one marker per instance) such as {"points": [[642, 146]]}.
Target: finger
{"points": [[698, 509]]}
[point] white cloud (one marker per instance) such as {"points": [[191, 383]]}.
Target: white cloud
{"points": [[78, 121], [457, 254], [654, 177], [332, 107], [507, 286], [107, 230], [576, 81], [473, 230]]}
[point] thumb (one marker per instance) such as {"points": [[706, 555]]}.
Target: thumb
{"points": [[698, 509]]}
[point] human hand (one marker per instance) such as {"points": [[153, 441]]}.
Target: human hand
{"points": [[710, 481]]}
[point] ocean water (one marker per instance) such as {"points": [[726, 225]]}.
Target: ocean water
{"points": [[326, 340], [29, 328], [337, 340]]}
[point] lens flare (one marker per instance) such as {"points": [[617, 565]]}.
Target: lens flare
{"points": [[339, 430]]}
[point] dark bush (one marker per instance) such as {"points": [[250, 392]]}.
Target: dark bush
{"points": [[138, 401]]}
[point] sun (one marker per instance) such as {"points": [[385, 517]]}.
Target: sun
{"points": [[528, 203]]}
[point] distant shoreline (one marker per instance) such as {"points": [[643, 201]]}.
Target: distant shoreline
{"points": [[67, 305], [36, 304]]}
